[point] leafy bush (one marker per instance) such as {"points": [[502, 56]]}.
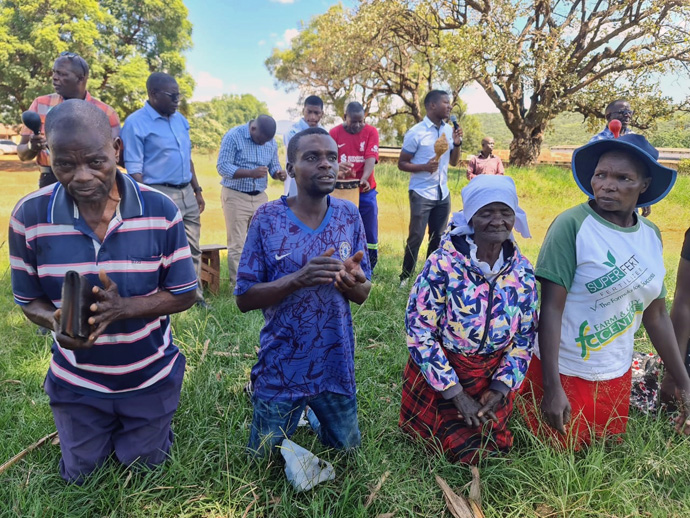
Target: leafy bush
{"points": [[684, 166]]}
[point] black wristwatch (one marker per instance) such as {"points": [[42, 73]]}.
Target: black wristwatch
{"points": [[198, 190]]}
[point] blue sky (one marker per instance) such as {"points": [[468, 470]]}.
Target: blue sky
{"points": [[233, 38]]}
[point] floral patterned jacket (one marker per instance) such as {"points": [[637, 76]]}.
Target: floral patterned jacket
{"points": [[453, 307]]}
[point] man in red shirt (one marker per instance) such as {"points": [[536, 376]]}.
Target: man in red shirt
{"points": [[485, 162], [70, 74], [358, 152]]}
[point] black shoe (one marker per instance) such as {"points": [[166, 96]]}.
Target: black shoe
{"points": [[42, 331]]}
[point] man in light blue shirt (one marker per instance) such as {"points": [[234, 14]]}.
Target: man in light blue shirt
{"points": [[428, 191], [311, 118], [248, 154], [158, 152], [619, 110]]}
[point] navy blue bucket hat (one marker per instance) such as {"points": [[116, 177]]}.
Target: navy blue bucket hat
{"points": [[586, 158]]}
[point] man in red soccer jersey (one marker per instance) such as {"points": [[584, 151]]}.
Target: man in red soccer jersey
{"points": [[358, 152]]}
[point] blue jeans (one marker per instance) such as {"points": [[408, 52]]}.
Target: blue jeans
{"points": [[334, 421], [369, 212]]}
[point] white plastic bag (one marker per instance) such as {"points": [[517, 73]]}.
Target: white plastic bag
{"points": [[304, 469]]}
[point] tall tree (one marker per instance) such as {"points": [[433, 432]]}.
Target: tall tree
{"points": [[533, 58], [382, 54], [122, 40], [538, 58]]}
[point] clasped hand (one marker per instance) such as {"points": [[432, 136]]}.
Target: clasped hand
{"points": [[325, 269], [477, 412], [108, 308]]}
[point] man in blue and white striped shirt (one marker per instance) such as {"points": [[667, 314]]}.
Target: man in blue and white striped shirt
{"points": [[116, 391], [247, 155]]}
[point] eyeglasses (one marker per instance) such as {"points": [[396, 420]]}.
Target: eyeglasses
{"points": [[623, 113], [76, 57], [173, 97]]}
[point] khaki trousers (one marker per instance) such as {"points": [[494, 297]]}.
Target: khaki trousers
{"points": [[238, 208]]}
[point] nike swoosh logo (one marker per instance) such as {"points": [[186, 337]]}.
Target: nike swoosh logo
{"points": [[340, 145], [279, 257]]}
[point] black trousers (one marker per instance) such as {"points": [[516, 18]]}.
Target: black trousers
{"points": [[423, 213]]}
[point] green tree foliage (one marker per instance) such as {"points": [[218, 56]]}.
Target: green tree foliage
{"points": [[674, 133], [122, 40], [538, 58], [382, 54], [535, 59], [210, 120]]}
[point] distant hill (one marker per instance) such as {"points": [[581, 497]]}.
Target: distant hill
{"points": [[569, 129], [565, 129]]}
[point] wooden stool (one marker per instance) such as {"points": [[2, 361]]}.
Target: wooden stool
{"points": [[210, 267]]}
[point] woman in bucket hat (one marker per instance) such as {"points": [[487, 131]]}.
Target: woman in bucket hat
{"points": [[602, 274]]}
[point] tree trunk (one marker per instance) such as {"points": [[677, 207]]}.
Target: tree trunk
{"points": [[525, 148]]}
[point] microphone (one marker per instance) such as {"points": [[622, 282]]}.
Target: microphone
{"points": [[615, 127], [454, 121], [32, 120]]}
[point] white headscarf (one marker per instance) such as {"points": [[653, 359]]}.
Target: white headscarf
{"points": [[483, 190]]}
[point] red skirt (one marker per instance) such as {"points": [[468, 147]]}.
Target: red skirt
{"points": [[599, 408], [425, 415]]}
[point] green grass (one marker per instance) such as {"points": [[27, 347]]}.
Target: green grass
{"points": [[208, 474]]}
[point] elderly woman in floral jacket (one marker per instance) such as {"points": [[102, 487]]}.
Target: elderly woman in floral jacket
{"points": [[471, 323]]}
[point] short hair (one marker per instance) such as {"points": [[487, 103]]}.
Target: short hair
{"points": [[433, 97], [293, 145], [487, 138], [157, 81], [354, 107], [266, 125], [314, 100], [74, 116], [610, 106], [75, 59]]}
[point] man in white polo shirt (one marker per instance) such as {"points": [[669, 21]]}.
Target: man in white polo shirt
{"points": [[428, 191]]}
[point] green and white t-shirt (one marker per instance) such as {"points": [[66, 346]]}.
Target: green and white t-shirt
{"points": [[612, 274]]}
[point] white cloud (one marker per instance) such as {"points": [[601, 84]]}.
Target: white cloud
{"points": [[261, 43], [288, 36], [209, 86], [279, 102], [477, 101]]}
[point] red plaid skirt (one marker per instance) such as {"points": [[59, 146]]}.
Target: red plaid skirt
{"points": [[424, 414]]}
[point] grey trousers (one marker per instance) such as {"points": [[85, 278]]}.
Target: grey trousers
{"points": [[189, 208]]}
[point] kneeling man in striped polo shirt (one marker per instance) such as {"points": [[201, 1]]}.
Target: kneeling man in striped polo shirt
{"points": [[115, 391]]}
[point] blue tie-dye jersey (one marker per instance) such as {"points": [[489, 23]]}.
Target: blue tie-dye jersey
{"points": [[307, 344]]}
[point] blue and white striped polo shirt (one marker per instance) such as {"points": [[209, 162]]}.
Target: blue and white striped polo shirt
{"points": [[144, 250]]}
